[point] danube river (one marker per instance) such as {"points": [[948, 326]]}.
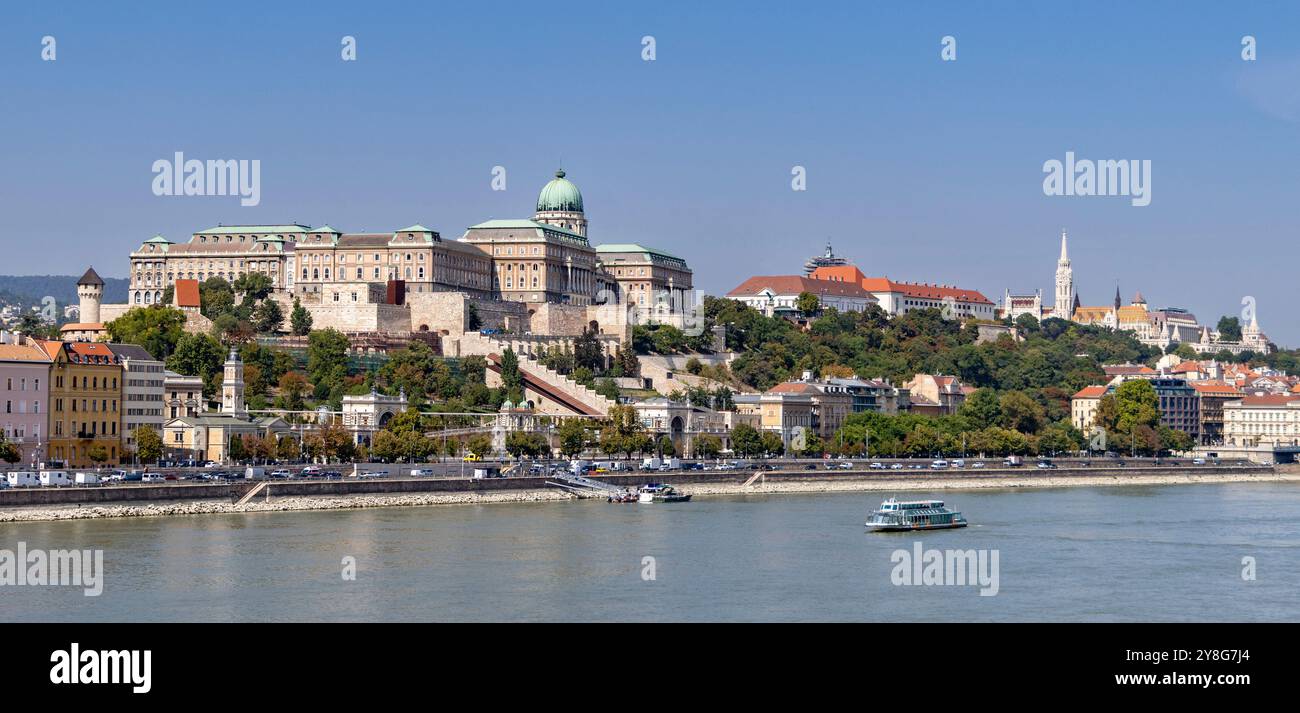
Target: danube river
{"points": [[1160, 553]]}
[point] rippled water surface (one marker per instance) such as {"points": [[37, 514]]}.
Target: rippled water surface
{"points": [[1170, 553]]}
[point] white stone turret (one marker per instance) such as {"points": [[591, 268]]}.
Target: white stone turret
{"points": [[232, 385], [90, 294]]}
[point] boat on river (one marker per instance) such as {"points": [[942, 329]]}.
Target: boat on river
{"points": [[660, 493], [907, 515]]}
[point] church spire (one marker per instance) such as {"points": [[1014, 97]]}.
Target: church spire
{"points": [[1064, 305]]}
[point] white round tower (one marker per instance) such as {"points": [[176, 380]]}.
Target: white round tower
{"points": [[90, 293]]}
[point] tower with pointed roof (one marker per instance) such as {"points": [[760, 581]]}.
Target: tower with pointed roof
{"points": [[90, 293], [1064, 305], [560, 204]]}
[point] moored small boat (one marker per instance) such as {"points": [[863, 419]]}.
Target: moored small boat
{"points": [[660, 493], [908, 515]]}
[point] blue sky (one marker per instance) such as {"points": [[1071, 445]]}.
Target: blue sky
{"points": [[918, 169]]}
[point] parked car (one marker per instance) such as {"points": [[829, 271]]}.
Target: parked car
{"points": [[1046, 465], [977, 464], [877, 465], [151, 478], [330, 474], [281, 474], [419, 472], [1198, 461], [896, 466]]}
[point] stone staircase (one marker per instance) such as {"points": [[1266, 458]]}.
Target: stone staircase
{"points": [[473, 343]]}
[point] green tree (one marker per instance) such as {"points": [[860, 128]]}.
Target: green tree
{"points": [[216, 297], [707, 447], [268, 317], [771, 443], [511, 378], [253, 285], [198, 355], [299, 320], [480, 445], [981, 409], [148, 444], [1137, 405], [1229, 329], [608, 389], [156, 328], [237, 451], [97, 453], [746, 441], [573, 437], [9, 452], [293, 388], [587, 351], [624, 432], [1020, 412], [665, 447], [808, 304], [327, 359]]}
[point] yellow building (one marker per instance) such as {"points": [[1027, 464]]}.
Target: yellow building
{"points": [[85, 428]]}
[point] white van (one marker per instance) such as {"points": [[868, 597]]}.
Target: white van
{"points": [[55, 478], [88, 479], [23, 479], [938, 465]]}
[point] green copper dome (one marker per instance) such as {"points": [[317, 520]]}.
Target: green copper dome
{"points": [[560, 194]]}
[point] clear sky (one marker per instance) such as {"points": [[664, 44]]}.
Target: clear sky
{"points": [[917, 169]]}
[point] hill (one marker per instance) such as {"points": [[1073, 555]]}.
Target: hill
{"points": [[30, 289]]}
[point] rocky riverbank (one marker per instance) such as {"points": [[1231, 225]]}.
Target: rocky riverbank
{"points": [[278, 504], [1030, 480], [839, 484]]}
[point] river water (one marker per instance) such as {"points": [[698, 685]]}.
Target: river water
{"points": [[1166, 553]]}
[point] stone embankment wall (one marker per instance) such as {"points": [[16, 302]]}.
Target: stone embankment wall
{"points": [[22, 497]]}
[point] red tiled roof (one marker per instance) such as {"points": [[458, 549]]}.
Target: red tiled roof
{"points": [[1269, 400], [91, 349], [1184, 367], [1214, 388], [186, 293], [22, 352], [795, 284], [1091, 392], [849, 273]]}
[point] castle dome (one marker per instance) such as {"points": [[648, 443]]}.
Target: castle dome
{"points": [[559, 195]]}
